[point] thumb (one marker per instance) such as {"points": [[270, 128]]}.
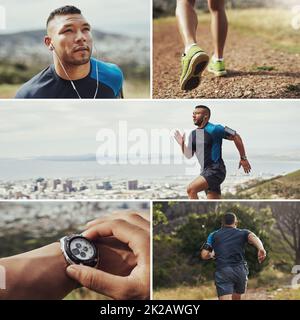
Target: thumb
{"points": [[96, 280]]}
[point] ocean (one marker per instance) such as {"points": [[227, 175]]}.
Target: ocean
{"points": [[14, 170]]}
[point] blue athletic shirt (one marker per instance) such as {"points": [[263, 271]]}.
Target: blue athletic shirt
{"points": [[206, 143], [47, 84], [229, 246]]}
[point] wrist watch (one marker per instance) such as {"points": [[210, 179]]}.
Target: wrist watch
{"points": [[79, 250], [243, 158]]}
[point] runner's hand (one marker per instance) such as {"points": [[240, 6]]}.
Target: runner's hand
{"points": [[134, 286], [117, 257], [261, 255], [246, 165], [179, 138]]}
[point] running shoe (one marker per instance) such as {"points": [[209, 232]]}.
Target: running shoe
{"points": [[217, 68], [193, 64]]}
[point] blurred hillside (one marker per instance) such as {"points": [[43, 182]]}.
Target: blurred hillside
{"points": [[282, 187], [23, 54], [167, 7]]}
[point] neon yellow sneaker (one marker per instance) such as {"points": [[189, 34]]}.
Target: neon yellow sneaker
{"points": [[217, 68], [193, 64]]}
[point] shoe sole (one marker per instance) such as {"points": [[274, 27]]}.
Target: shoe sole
{"points": [[197, 65], [217, 73]]}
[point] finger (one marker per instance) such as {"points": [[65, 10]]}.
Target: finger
{"points": [[99, 281], [132, 217], [137, 238]]}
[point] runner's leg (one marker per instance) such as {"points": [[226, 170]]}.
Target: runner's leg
{"points": [[226, 297], [236, 296], [219, 25], [187, 21], [199, 184], [213, 195]]}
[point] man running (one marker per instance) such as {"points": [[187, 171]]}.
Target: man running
{"points": [[206, 143], [74, 73], [194, 59], [227, 247]]}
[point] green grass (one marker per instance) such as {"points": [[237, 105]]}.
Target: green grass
{"points": [[271, 25], [200, 292], [269, 280], [8, 90], [287, 294], [138, 89], [132, 89], [287, 187]]}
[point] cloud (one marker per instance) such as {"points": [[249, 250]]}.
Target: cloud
{"points": [[131, 17], [70, 127]]}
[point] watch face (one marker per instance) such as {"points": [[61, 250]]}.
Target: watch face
{"points": [[82, 249]]}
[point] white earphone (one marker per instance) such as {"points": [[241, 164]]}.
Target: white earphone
{"points": [[52, 48]]}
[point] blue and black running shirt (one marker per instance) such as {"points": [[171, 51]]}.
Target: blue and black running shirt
{"points": [[48, 85], [229, 246], [206, 143]]}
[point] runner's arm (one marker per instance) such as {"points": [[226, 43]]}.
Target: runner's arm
{"points": [[186, 151], [241, 149], [37, 274], [257, 243]]}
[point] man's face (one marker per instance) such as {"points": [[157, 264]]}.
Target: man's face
{"points": [[71, 37], [198, 116]]}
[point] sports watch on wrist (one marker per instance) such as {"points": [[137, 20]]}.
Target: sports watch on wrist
{"points": [[243, 158], [79, 250]]}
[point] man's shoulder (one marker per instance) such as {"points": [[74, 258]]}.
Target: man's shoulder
{"points": [[214, 129], [244, 231], [211, 126], [108, 73], [213, 233], [30, 88]]}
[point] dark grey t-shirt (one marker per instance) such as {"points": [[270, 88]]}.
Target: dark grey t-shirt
{"points": [[48, 85], [229, 246]]}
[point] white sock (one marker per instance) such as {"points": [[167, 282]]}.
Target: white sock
{"points": [[215, 59], [187, 48]]}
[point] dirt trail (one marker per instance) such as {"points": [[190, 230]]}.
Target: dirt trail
{"points": [[243, 55], [255, 294]]}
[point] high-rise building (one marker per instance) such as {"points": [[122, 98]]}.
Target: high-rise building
{"points": [[132, 185], [107, 185]]}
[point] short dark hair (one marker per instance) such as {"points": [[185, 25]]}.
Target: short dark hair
{"points": [[229, 218], [63, 11], [201, 106]]}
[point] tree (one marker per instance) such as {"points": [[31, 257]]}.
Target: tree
{"points": [[288, 223]]}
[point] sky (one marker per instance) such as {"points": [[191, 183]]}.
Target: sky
{"points": [[129, 17], [45, 128]]}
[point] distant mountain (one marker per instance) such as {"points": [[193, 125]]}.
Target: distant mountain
{"points": [[167, 7], [84, 157], [28, 47]]}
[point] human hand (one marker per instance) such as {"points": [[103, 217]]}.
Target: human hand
{"points": [[136, 285], [261, 255], [118, 258], [246, 165], [180, 138]]}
